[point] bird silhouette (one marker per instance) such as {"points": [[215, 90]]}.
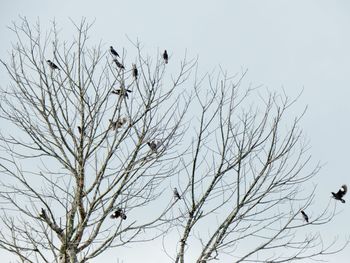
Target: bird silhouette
{"points": [[113, 52], [306, 218], [176, 194], [43, 213], [153, 145], [341, 192], [135, 72], [122, 92], [118, 213], [52, 65], [80, 130], [119, 65], [165, 57]]}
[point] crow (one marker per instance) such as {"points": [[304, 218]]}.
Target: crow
{"points": [[135, 72], [153, 145], [118, 213], [43, 213], [339, 195], [80, 130], [306, 218], [165, 57], [119, 65], [113, 52], [176, 194], [52, 65], [122, 92]]}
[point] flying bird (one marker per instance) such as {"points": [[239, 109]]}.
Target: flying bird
{"points": [[122, 92], [176, 194], [135, 72], [165, 57], [341, 192], [52, 65], [113, 52], [118, 213], [306, 218], [119, 65], [153, 145]]}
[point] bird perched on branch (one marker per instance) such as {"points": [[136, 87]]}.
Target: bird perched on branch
{"points": [[119, 65], [153, 145], [165, 57], [118, 213], [113, 52], [113, 124], [135, 72], [341, 192], [176, 194], [122, 92], [52, 65], [306, 218], [80, 130], [117, 124], [43, 213]]}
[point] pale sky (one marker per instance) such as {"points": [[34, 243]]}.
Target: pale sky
{"points": [[292, 45]]}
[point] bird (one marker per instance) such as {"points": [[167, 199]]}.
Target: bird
{"points": [[118, 213], [43, 213], [113, 52], [165, 57], [341, 192], [117, 124], [52, 65], [113, 124], [119, 65], [153, 145], [176, 194], [121, 122], [122, 92], [80, 130], [135, 72], [306, 218]]}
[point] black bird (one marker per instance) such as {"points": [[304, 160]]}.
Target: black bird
{"points": [[113, 52], [339, 195], [153, 145], [119, 65], [118, 213], [122, 92], [80, 130], [165, 57], [135, 72], [43, 213], [52, 65], [176, 194], [306, 218]]}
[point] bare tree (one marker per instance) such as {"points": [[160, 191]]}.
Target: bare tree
{"points": [[77, 151], [248, 179], [94, 142]]}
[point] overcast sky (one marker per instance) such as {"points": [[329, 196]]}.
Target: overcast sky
{"points": [[292, 45]]}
